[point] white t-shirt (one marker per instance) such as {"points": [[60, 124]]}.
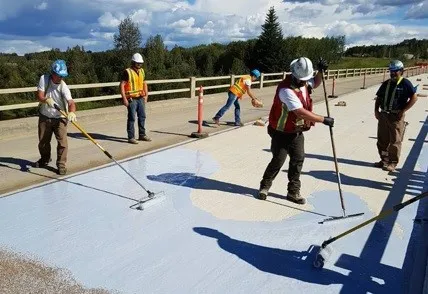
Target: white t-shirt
{"points": [[60, 93], [290, 99], [247, 82]]}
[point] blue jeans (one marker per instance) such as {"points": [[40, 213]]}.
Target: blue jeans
{"points": [[136, 106], [232, 99]]}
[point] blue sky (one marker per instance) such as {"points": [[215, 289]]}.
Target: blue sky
{"points": [[38, 25]]}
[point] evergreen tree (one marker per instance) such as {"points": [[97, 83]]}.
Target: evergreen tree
{"points": [[156, 54], [268, 48], [129, 37]]}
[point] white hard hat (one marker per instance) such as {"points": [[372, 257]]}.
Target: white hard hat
{"points": [[396, 65], [302, 68], [137, 58]]}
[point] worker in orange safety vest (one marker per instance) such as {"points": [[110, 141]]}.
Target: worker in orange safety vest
{"points": [[236, 91], [133, 90]]}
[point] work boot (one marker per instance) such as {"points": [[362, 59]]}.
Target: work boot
{"points": [[296, 198], [239, 124], [144, 138], [62, 170], [132, 141], [380, 164], [263, 192], [216, 121], [41, 163], [390, 167]]}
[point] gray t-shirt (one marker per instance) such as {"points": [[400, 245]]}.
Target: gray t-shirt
{"points": [[60, 93]]}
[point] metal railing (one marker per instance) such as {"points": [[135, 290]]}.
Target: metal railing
{"points": [[194, 83]]}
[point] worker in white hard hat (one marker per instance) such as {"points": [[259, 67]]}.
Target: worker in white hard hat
{"points": [[133, 89], [393, 99], [291, 115]]}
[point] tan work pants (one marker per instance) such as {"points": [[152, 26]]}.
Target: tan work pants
{"points": [[47, 127], [390, 133]]}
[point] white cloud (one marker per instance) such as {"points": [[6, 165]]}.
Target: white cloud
{"points": [[42, 6], [99, 35], [418, 11], [141, 16], [372, 34], [183, 23], [107, 20], [206, 21], [21, 47]]}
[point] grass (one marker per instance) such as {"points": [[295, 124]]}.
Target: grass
{"points": [[361, 62]]}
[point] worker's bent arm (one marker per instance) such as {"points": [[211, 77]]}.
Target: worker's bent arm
{"points": [[411, 102], [377, 104], [41, 96], [71, 106], [250, 93], [308, 115]]}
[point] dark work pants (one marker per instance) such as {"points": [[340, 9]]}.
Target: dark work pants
{"points": [[282, 145]]}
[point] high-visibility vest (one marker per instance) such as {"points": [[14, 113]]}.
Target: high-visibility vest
{"points": [[283, 120], [388, 104], [134, 86], [239, 88]]}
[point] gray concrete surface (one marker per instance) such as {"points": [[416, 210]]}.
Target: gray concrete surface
{"points": [[168, 122], [224, 241]]}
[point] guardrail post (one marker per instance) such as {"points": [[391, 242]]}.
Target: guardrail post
{"points": [[262, 77], [384, 75], [192, 87], [328, 74], [364, 80], [284, 75], [232, 79]]}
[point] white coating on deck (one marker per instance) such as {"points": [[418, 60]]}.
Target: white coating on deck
{"points": [[209, 235]]}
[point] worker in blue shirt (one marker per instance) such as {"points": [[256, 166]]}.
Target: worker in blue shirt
{"points": [[394, 97]]}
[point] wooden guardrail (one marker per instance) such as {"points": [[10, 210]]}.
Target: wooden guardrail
{"points": [[194, 82]]}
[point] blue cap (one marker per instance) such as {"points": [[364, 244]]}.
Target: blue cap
{"points": [[255, 73], [60, 68]]}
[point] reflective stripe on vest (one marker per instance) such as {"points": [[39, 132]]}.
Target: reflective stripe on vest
{"points": [[386, 106], [134, 86], [239, 88]]}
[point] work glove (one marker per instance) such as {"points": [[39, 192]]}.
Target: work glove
{"points": [[328, 121], [322, 64], [50, 102], [71, 117]]}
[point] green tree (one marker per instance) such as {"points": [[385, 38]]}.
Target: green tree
{"points": [[156, 57], [129, 36], [268, 48]]}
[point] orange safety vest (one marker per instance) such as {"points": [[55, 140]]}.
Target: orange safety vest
{"points": [[283, 120], [239, 88], [134, 87]]}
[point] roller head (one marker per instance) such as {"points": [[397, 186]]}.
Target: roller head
{"points": [[323, 256], [150, 200]]}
